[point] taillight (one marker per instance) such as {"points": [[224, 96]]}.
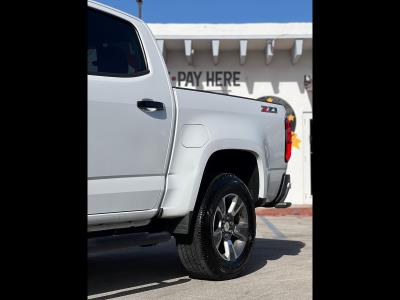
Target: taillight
{"points": [[288, 140]]}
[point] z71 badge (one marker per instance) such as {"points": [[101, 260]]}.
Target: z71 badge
{"points": [[269, 109]]}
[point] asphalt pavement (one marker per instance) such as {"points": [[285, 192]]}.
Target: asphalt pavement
{"points": [[280, 267]]}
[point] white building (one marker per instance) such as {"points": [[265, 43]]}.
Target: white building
{"points": [[251, 60]]}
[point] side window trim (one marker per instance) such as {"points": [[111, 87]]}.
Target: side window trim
{"points": [[136, 74]]}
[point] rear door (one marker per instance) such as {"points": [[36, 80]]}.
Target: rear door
{"points": [[130, 107]]}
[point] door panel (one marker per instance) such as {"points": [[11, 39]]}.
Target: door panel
{"points": [[128, 147], [123, 139]]}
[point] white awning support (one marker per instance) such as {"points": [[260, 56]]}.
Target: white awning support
{"points": [[215, 50], [269, 51], [297, 51], [189, 51], [243, 51], [163, 50]]}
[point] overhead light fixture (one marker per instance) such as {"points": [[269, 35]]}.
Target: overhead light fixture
{"points": [[308, 82]]}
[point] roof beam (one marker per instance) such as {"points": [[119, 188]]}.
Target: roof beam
{"points": [[269, 51], [243, 51], [163, 50], [215, 50], [297, 51], [189, 51]]}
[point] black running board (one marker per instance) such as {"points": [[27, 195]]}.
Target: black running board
{"points": [[113, 242]]}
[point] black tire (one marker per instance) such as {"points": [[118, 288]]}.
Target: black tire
{"points": [[199, 253]]}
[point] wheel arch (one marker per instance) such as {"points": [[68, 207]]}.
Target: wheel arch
{"points": [[245, 164], [189, 173]]}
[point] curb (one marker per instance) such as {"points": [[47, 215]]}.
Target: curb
{"points": [[297, 210]]}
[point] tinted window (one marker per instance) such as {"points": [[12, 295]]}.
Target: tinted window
{"points": [[114, 48]]}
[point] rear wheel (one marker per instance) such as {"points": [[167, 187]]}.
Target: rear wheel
{"points": [[224, 231]]}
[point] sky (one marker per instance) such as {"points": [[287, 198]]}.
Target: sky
{"points": [[218, 11]]}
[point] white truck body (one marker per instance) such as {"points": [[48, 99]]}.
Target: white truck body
{"points": [[144, 164]]}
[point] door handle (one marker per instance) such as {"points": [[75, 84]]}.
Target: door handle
{"points": [[150, 105]]}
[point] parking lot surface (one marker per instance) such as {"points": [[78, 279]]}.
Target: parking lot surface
{"points": [[280, 267]]}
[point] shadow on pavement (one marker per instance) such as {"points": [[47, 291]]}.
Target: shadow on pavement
{"points": [[270, 249], [135, 267]]}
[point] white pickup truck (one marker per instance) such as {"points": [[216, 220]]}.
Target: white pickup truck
{"points": [[166, 161]]}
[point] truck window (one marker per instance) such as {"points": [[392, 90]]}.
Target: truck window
{"points": [[114, 48]]}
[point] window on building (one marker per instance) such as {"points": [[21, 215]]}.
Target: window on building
{"points": [[114, 48]]}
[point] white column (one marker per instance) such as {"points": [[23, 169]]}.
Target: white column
{"points": [[269, 51], [189, 51], [243, 51], [297, 51], [215, 50]]}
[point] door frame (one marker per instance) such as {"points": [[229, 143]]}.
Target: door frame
{"points": [[306, 157]]}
